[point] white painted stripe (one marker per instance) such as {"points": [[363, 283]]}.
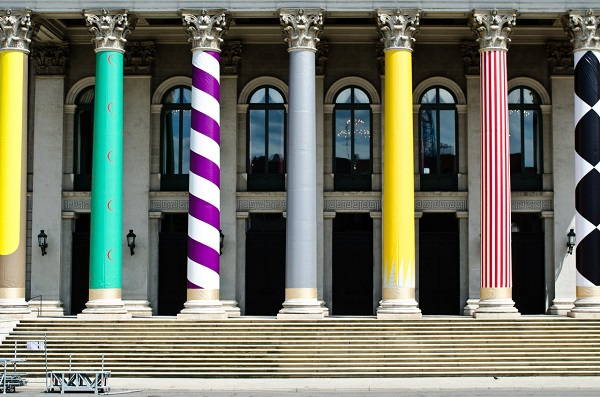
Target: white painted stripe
{"points": [[204, 233], [581, 281], [582, 167], [206, 104], [202, 276], [207, 63], [205, 147], [581, 109], [205, 189]]}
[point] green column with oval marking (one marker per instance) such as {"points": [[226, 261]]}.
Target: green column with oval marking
{"points": [[106, 244]]}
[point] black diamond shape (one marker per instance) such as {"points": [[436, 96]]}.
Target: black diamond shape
{"points": [[587, 197], [587, 78], [588, 257], [587, 137]]}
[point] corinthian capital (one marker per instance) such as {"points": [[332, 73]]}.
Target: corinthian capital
{"points": [[398, 28], [109, 28], [301, 28], [15, 30], [584, 29], [493, 28], [205, 28]]}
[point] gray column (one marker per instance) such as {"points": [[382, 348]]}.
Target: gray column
{"points": [[66, 258], [463, 241], [547, 217], [136, 141], [47, 191], [153, 241], [376, 216], [301, 298], [241, 228], [418, 216], [328, 258], [319, 98]]}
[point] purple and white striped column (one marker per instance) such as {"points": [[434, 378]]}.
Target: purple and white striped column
{"points": [[205, 29]]}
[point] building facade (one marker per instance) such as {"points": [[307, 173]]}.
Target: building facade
{"points": [[299, 162]]}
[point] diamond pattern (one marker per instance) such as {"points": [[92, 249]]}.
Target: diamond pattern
{"points": [[587, 137], [588, 252], [587, 78]]}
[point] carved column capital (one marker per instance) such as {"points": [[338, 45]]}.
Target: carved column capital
{"points": [[15, 30], [50, 59], [231, 57], [493, 28], [398, 28], [301, 28], [205, 28], [139, 57], [583, 28], [109, 28]]}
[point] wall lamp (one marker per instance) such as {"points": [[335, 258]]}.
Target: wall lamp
{"points": [[131, 241], [43, 241], [571, 241], [221, 241]]}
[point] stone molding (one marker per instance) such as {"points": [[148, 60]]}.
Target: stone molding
{"points": [[260, 81], [15, 30], [442, 81], [50, 59], [205, 28], [139, 57], [166, 85], [109, 28], [470, 54], [231, 58], [343, 82], [559, 54], [301, 28], [493, 28], [534, 85], [583, 27], [398, 28]]}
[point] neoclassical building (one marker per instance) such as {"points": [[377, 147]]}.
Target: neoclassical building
{"points": [[175, 158]]}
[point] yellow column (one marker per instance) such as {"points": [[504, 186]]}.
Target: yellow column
{"points": [[14, 42], [398, 273]]}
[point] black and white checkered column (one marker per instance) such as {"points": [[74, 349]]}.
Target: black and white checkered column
{"points": [[584, 29]]}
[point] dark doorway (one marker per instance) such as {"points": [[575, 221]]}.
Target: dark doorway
{"points": [[529, 285], [172, 264], [265, 264], [352, 265], [439, 266], [80, 264]]}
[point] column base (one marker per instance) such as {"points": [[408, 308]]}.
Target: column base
{"points": [[104, 309], [231, 308], [588, 307], [470, 307], [302, 309], [15, 309], [398, 309], [138, 308], [48, 308], [561, 306], [500, 308], [203, 310]]}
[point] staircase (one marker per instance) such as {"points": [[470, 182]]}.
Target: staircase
{"points": [[337, 347]]}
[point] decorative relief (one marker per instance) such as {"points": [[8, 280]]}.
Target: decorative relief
{"points": [[139, 57], [231, 57], [301, 28], [109, 28], [398, 28], [261, 205], [15, 30], [531, 205], [380, 55], [322, 57], [352, 205], [81, 204], [205, 28], [470, 54], [493, 28], [176, 205], [440, 205], [560, 57], [583, 28], [50, 59]]}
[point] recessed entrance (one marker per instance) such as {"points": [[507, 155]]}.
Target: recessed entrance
{"points": [[439, 266], [80, 264], [352, 271], [265, 264], [529, 286], [172, 264]]}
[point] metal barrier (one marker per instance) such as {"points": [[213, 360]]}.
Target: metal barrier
{"points": [[78, 381], [9, 380]]}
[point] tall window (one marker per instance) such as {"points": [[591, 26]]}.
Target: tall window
{"points": [[175, 138], [352, 130], [266, 120], [525, 127], [438, 126], [83, 134]]}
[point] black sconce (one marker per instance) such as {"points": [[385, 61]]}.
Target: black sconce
{"points": [[571, 241], [131, 241], [43, 241], [221, 239]]}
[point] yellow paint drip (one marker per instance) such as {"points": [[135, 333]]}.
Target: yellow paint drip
{"points": [[12, 75], [398, 172]]}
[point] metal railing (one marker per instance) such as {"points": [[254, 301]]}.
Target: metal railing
{"points": [[41, 298]]}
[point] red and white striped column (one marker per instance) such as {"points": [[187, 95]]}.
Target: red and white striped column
{"points": [[493, 29]]}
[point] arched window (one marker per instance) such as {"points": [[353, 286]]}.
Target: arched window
{"points": [[525, 128], [438, 127], [175, 138], [352, 130], [83, 140], [266, 120]]}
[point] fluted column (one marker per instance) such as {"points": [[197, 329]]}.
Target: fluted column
{"points": [[205, 28], [301, 28], [493, 29], [584, 29], [109, 29], [397, 28], [15, 33]]}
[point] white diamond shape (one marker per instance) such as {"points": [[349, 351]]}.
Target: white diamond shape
{"points": [[596, 108], [582, 167], [597, 54], [583, 227], [581, 108]]}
